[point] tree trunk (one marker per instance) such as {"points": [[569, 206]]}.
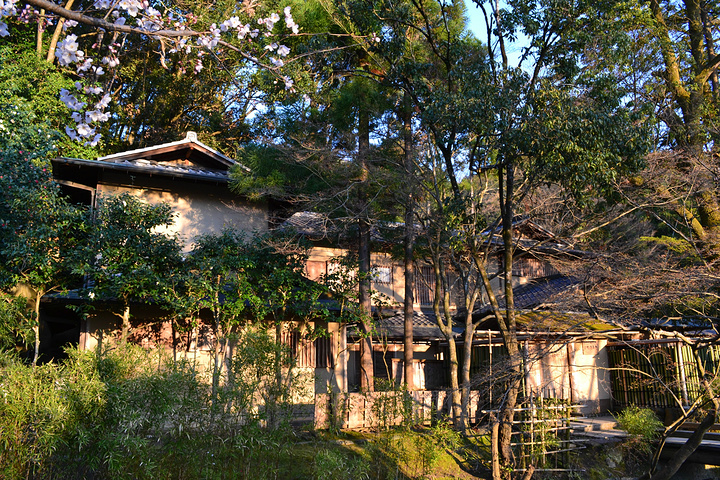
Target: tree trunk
{"points": [[494, 441], [367, 383], [687, 449], [56, 34], [125, 329], [689, 95], [444, 321], [695, 439], [409, 247], [507, 323], [456, 407], [465, 371], [40, 31], [36, 327], [217, 363]]}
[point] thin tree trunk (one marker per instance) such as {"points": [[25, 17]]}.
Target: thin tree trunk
{"points": [[367, 383], [40, 31], [56, 34], [465, 372], [444, 321], [687, 449], [409, 247], [456, 407], [695, 439], [125, 329], [494, 453], [173, 331], [217, 365], [508, 327], [408, 311], [36, 327]]}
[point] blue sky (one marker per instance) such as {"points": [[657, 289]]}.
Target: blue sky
{"points": [[477, 23], [477, 26]]}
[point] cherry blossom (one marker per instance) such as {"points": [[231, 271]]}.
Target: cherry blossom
{"points": [[7, 9], [67, 51], [89, 103], [70, 101]]}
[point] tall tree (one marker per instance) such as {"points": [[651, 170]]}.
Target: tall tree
{"points": [[685, 34], [38, 226], [665, 53], [126, 259], [184, 37], [554, 124], [329, 136], [217, 284]]}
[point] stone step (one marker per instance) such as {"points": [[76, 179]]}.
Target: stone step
{"points": [[599, 436], [593, 424]]}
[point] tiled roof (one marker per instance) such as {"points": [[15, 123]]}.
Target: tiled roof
{"points": [[172, 169], [534, 293], [541, 290], [150, 167], [310, 224], [424, 326], [190, 146], [527, 296]]}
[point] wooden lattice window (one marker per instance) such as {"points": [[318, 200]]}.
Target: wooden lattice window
{"points": [[317, 353], [301, 350], [324, 356], [424, 285]]}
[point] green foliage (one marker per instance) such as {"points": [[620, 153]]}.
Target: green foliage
{"points": [[276, 272], [30, 90], [15, 329], [255, 389], [413, 453], [127, 255], [245, 284], [677, 245], [642, 425], [336, 465], [218, 283], [38, 228], [127, 414], [274, 173], [44, 411], [584, 142]]}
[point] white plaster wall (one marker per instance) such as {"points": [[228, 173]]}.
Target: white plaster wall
{"points": [[589, 365], [580, 365], [198, 212]]}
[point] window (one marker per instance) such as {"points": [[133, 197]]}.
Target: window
{"points": [[315, 269], [382, 275], [532, 268], [424, 285], [317, 353], [324, 357]]}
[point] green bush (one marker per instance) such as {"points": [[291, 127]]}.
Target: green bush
{"points": [[45, 411], [127, 414], [337, 465], [642, 426]]}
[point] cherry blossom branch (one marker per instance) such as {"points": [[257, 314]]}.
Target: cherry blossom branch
{"points": [[137, 17], [104, 24]]}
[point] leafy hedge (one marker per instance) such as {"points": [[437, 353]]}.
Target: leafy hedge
{"points": [[127, 414]]}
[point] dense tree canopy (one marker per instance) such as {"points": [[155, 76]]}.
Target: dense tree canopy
{"points": [[393, 107]]}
